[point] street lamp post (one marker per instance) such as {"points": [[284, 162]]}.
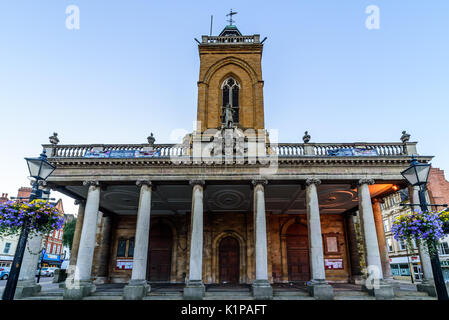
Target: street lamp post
{"points": [[417, 174], [40, 169]]}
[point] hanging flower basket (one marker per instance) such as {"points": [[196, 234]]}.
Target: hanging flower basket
{"points": [[423, 227], [42, 217], [444, 216]]}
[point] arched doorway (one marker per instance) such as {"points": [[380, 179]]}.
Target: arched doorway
{"points": [[229, 260], [298, 253], [160, 252]]}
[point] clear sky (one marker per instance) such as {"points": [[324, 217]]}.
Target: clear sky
{"points": [[132, 69]]}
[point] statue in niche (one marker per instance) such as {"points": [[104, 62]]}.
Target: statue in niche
{"points": [[228, 116]]}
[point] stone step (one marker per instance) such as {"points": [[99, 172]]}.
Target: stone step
{"points": [[351, 293], [166, 293], [50, 293], [107, 293], [353, 297], [43, 298], [411, 293], [164, 297], [293, 297], [224, 297], [415, 298], [290, 293], [100, 297], [227, 293]]}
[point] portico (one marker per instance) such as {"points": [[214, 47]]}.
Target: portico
{"points": [[230, 204]]}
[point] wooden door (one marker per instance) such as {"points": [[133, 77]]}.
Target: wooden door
{"points": [[229, 260], [160, 251], [298, 253]]}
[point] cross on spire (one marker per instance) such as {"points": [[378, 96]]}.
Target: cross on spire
{"points": [[230, 17]]}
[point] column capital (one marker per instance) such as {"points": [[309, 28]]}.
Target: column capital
{"points": [[255, 182], [90, 183], [365, 181], [141, 183], [80, 202], [195, 182], [314, 181]]}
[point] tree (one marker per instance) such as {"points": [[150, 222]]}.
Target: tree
{"points": [[69, 232]]}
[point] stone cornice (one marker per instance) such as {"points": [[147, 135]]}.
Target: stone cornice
{"points": [[307, 160]]}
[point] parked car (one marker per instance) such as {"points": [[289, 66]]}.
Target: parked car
{"points": [[46, 271], [4, 272]]}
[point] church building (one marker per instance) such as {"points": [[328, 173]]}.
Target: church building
{"points": [[230, 205]]}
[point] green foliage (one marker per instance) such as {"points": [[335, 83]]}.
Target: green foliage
{"points": [[69, 232]]}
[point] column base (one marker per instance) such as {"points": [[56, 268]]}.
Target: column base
{"points": [[136, 290], [26, 288], [320, 290], [382, 291], [78, 289], [194, 290], [427, 286], [262, 290]]}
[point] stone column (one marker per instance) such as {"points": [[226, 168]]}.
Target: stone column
{"points": [[103, 256], [261, 286], [138, 286], [82, 284], [374, 284], [317, 286], [27, 286], [383, 250], [194, 289], [356, 272], [427, 284], [76, 240]]}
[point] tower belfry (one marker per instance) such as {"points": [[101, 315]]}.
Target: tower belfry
{"points": [[230, 79]]}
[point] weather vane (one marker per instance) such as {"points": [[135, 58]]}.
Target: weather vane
{"points": [[230, 17]]}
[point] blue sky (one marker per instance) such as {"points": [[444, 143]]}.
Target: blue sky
{"points": [[132, 68]]}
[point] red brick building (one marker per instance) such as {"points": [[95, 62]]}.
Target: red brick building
{"points": [[438, 187], [53, 244]]}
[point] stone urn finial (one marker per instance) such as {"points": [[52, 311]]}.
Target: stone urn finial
{"points": [[405, 137], [151, 139], [306, 137], [54, 139]]}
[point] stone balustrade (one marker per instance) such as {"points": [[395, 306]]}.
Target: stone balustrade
{"points": [[281, 150], [230, 39]]}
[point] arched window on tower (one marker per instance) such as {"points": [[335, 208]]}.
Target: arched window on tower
{"points": [[230, 89]]}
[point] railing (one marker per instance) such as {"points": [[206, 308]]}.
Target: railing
{"points": [[230, 39], [286, 149], [281, 150]]}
